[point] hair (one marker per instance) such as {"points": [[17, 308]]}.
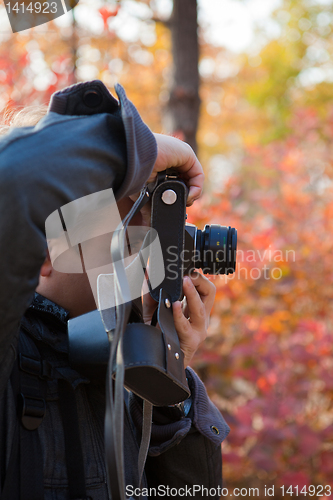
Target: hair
{"points": [[25, 117]]}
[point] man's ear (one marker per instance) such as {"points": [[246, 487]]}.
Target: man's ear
{"points": [[46, 268]]}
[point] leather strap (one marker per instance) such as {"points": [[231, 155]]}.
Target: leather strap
{"points": [[174, 354], [145, 439], [171, 235], [114, 415]]}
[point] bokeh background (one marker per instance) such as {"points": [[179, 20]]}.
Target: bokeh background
{"points": [[252, 90]]}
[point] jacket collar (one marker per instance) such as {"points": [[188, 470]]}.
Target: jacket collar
{"points": [[46, 321], [46, 306]]}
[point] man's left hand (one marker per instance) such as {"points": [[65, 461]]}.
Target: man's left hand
{"points": [[191, 316]]}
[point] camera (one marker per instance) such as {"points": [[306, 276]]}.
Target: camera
{"points": [[153, 360]]}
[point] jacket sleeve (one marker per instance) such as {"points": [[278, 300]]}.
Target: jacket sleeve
{"points": [[186, 454], [64, 157]]}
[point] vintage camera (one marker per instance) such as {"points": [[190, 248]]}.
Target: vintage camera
{"points": [[152, 356], [144, 358]]}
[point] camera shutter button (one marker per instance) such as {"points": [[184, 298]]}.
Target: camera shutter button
{"points": [[92, 99], [169, 196]]}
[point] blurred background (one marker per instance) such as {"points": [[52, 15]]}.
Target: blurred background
{"points": [[249, 84]]}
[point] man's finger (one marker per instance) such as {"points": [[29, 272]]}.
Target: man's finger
{"points": [[194, 178], [178, 154], [195, 307], [148, 303], [205, 288]]}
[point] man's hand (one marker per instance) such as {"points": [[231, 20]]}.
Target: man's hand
{"points": [[191, 316], [171, 153], [175, 153]]}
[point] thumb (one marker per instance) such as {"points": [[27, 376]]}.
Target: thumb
{"points": [[148, 304]]}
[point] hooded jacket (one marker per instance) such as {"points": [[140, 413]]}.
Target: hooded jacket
{"points": [[86, 143]]}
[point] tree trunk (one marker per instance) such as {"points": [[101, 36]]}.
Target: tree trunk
{"points": [[74, 42], [182, 111]]}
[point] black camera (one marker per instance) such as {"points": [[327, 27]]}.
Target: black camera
{"points": [[146, 359], [173, 249]]}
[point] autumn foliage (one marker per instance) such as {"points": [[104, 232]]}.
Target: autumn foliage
{"points": [[268, 360]]}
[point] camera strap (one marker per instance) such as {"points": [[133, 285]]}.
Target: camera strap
{"points": [[168, 204], [114, 414], [168, 216]]}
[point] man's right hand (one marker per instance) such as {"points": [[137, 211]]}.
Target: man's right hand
{"points": [[174, 153]]}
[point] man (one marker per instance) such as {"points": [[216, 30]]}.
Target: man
{"points": [[88, 142]]}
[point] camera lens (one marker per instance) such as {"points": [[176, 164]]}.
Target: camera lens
{"points": [[217, 247]]}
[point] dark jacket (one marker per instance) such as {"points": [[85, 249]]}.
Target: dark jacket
{"points": [[88, 142]]}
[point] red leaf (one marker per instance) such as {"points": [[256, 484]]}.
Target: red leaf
{"points": [[299, 479], [106, 12]]}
